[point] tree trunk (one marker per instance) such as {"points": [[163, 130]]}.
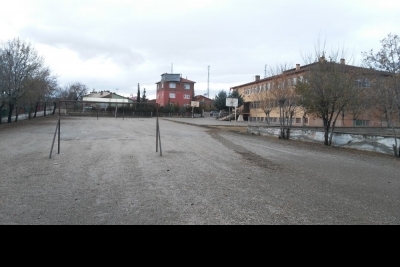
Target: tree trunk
{"points": [[45, 107], [327, 128], [1, 118], [288, 133], [281, 123], [11, 109], [16, 114], [333, 129], [395, 146], [55, 107], [392, 125], [37, 106], [29, 112], [289, 126]]}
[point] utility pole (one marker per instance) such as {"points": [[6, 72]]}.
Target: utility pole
{"points": [[208, 84], [265, 72]]}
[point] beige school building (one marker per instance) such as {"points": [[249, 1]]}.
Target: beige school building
{"points": [[253, 112]]}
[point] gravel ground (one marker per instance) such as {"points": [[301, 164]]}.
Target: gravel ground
{"points": [[109, 173]]}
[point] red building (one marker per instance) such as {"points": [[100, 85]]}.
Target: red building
{"points": [[206, 103], [173, 89]]}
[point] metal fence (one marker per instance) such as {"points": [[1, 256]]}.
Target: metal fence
{"points": [[23, 114], [107, 109]]}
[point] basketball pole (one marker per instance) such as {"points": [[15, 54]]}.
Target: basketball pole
{"points": [[157, 129], [157, 133]]}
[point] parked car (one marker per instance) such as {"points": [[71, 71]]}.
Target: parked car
{"points": [[214, 113]]}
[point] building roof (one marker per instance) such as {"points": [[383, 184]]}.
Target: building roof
{"points": [[174, 79], [106, 100], [105, 95], [301, 69], [186, 81], [170, 77], [203, 97]]}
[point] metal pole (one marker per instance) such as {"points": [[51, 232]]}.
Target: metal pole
{"points": [[59, 135], [157, 129], [59, 126], [208, 83], [235, 116], [159, 135], [54, 139]]}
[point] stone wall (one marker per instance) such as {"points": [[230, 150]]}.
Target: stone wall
{"points": [[367, 142]]}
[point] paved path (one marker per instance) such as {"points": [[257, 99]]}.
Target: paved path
{"points": [[108, 173], [206, 121]]}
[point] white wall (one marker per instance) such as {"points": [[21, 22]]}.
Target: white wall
{"points": [[374, 143]]}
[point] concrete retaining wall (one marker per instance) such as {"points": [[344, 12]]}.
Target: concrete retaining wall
{"points": [[374, 143]]}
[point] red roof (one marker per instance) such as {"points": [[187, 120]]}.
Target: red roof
{"points": [[186, 81]]}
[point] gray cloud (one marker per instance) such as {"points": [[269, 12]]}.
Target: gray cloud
{"points": [[236, 38], [85, 45]]}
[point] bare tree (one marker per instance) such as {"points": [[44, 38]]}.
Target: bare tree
{"points": [[283, 94], [19, 62], [2, 102], [386, 83], [73, 91], [42, 87], [279, 95], [76, 91], [362, 103], [327, 90], [263, 101]]}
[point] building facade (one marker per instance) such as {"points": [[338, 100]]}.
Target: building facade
{"points": [[174, 90], [105, 99], [254, 108], [206, 103]]}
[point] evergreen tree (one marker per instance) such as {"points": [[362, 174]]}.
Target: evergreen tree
{"points": [[220, 100], [144, 97], [235, 94], [138, 94]]}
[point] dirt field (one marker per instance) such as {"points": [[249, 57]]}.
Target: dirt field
{"points": [[108, 172]]}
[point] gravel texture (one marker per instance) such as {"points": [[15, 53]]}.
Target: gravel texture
{"points": [[109, 173]]}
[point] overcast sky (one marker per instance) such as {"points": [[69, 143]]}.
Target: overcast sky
{"points": [[114, 45]]}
